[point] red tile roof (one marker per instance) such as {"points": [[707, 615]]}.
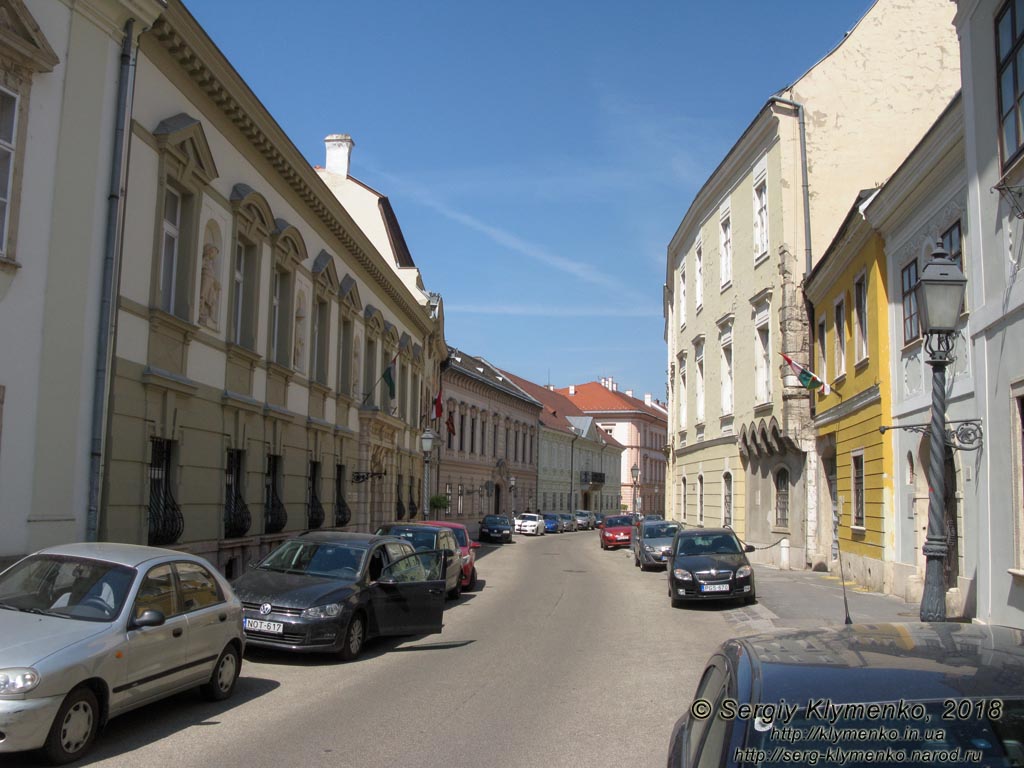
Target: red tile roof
{"points": [[556, 407], [594, 397]]}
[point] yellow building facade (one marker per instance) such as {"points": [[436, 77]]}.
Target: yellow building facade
{"points": [[849, 299]]}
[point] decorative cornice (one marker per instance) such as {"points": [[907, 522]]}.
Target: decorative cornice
{"points": [[850, 405], [230, 94]]}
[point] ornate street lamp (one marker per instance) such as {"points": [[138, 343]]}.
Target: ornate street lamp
{"points": [[427, 446], [940, 295], [635, 471], [512, 488]]}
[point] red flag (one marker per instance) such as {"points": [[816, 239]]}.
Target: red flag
{"points": [[437, 405], [450, 423]]}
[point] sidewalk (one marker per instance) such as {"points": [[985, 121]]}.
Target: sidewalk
{"points": [[809, 599]]}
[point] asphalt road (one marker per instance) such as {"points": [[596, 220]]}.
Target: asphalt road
{"points": [[565, 655]]}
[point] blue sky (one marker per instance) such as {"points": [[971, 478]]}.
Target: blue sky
{"points": [[539, 155]]}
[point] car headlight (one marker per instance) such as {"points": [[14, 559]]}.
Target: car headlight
{"points": [[682, 575], [743, 571], [18, 680], [648, 548], [322, 611]]}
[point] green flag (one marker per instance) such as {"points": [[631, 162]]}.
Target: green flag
{"points": [[389, 377]]}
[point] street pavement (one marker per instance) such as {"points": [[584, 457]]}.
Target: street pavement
{"points": [[566, 655]]}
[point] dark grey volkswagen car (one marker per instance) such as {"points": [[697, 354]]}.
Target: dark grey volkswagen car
{"points": [[330, 591]]}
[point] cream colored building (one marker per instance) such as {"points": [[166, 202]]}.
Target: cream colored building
{"points": [[60, 80], [742, 447], [256, 318]]}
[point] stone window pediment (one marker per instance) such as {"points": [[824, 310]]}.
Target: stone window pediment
{"points": [[289, 246], [188, 157], [21, 39], [255, 219]]}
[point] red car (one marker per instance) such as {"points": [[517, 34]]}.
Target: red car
{"points": [[466, 546], [616, 531]]}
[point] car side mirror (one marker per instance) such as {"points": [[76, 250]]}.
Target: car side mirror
{"points": [[149, 618], [748, 548], [474, 545]]}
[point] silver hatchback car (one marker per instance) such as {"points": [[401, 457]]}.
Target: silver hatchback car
{"points": [[90, 631]]}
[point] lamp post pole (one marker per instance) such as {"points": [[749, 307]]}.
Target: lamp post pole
{"points": [[635, 471], [427, 445], [940, 294]]}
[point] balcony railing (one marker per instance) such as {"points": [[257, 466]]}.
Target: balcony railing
{"points": [[592, 478]]}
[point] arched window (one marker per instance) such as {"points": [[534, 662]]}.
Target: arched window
{"points": [[782, 498]]}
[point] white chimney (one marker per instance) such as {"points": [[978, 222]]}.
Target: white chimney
{"points": [[629, 393], [572, 390], [339, 148], [647, 398]]}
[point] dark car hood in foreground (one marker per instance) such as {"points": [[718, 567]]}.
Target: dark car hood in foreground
{"points": [[710, 562], [290, 590]]}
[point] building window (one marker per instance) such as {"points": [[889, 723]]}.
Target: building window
{"points": [[782, 498], [858, 490], [460, 499], [1009, 36], [243, 315], [911, 326], [170, 268], [860, 312], [275, 516], [953, 242], [682, 298], [822, 355], [462, 432], [727, 498], [448, 494], [494, 441], [725, 251], [698, 354], [760, 220], [8, 139], [314, 508], [280, 322], [840, 341], [166, 522], [700, 499], [681, 393], [726, 364], [342, 513], [762, 357], [698, 282], [1019, 482], [370, 374], [345, 350], [318, 342], [472, 434], [237, 518]]}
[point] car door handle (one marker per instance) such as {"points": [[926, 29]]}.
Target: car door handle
{"points": [[177, 631], [436, 591]]}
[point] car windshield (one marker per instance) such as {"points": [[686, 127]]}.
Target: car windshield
{"points": [[495, 520], [550, 516], [315, 558], [660, 531], [914, 733], [529, 517], [618, 522], [69, 587], [713, 544]]}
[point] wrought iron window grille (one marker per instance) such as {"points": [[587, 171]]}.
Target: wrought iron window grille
{"points": [[237, 518], [275, 514], [166, 522]]}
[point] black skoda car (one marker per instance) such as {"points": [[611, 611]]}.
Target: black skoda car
{"points": [[709, 564], [866, 694]]}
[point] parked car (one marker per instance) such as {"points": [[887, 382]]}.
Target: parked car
{"points": [[530, 523], [709, 564], [913, 694], [427, 538], [584, 520], [496, 528], [90, 631], [331, 592], [652, 545], [599, 519], [552, 522], [468, 549], [617, 531], [568, 521]]}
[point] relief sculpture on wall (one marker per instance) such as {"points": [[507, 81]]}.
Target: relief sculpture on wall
{"points": [[300, 332], [209, 286]]}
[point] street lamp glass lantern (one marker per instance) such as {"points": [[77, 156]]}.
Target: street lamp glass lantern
{"points": [[635, 471], [940, 293], [427, 441]]}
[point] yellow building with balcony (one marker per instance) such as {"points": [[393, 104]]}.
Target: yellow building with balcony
{"points": [[849, 301]]}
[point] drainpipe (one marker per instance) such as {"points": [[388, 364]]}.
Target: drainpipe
{"points": [[111, 273], [803, 170], [572, 464]]}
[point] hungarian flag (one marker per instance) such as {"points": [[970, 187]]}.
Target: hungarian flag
{"points": [[450, 423], [806, 376], [389, 377], [437, 405]]}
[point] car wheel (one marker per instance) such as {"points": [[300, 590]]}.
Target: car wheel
{"points": [[456, 592], [472, 580], [355, 636], [222, 682], [74, 728]]}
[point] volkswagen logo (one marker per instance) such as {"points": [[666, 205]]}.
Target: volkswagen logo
{"points": [[265, 609]]}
